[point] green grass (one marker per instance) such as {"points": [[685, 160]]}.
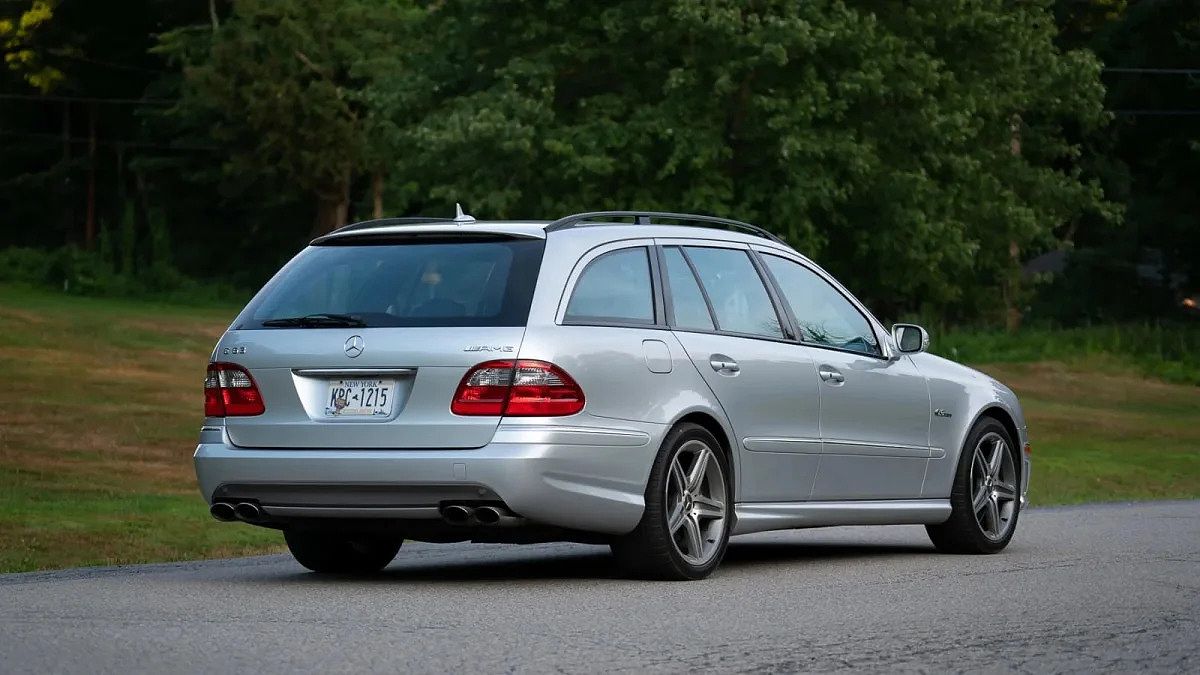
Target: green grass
{"points": [[1167, 351], [102, 400], [98, 420], [1106, 433]]}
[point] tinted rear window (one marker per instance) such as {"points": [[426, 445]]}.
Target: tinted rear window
{"points": [[423, 283]]}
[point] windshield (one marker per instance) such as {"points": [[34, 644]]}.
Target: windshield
{"points": [[422, 283]]}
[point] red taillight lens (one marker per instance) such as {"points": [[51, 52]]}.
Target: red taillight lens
{"points": [[484, 389], [541, 388], [229, 391], [522, 388]]}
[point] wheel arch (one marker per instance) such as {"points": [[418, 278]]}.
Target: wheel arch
{"points": [[1005, 418], [717, 429]]}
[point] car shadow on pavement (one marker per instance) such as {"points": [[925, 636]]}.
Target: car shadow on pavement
{"points": [[591, 562]]}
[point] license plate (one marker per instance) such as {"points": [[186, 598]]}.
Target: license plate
{"points": [[371, 398]]}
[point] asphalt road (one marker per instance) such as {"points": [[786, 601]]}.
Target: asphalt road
{"points": [[1084, 589]]}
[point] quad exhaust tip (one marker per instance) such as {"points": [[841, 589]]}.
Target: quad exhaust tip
{"points": [[488, 515], [459, 514], [248, 511], [456, 514], [223, 511]]}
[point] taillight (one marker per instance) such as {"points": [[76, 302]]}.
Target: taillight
{"points": [[229, 391], [484, 389], [521, 388]]}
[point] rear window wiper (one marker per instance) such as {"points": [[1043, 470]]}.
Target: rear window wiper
{"points": [[318, 321]]}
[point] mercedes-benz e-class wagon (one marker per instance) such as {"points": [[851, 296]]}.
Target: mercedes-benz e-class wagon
{"points": [[656, 382]]}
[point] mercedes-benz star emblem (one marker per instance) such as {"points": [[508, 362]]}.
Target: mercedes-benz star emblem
{"points": [[354, 346]]}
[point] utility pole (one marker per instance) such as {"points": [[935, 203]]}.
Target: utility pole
{"points": [[1011, 289], [65, 200], [89, 229]]}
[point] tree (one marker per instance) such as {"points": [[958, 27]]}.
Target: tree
{"points": [[875, 136], [19, 38], [290, 90]]}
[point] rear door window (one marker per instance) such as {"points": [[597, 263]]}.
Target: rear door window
{"points": [[614, 288], [735, 289], [688, 305], [418, 283]]}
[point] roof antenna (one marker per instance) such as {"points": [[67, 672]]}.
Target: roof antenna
{"points": [[460, 217]]}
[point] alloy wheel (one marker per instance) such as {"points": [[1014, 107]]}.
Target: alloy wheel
{"points": [[697, 504], [993, 486]]}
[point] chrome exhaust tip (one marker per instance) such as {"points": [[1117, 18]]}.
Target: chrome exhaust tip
{"points": [[456, 514], [488, 515], [248, 511], [223, 511]]}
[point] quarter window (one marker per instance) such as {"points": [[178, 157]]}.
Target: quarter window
{"points": [[614, 288], [739, 298], [824, 315]]}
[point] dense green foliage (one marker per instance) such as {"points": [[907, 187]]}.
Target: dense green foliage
{"points": [[1169, 352], [879, 132], [923, 151]]}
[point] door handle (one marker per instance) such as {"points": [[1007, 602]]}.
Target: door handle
{"points": [[723, 364], [830, 375]]}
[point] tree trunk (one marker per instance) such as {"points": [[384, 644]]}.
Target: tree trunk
{"points": [[332, 207], [377, 193], [89, 228]]}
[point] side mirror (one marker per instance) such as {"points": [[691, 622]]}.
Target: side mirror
{"points": [[910, 338]]}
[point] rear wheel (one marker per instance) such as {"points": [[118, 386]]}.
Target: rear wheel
{"points": [[333, 554], [685, 528], [985, 500]]}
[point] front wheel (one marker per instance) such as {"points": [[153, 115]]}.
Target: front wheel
{"points": [[985, 499], [333, 554], [685, 528]]}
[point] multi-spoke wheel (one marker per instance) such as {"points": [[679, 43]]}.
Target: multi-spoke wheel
{"points": [[985, 500], [685, 528], [993, 486], [695, 495]]}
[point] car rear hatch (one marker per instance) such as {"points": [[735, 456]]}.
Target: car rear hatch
{"points": [[361, 342]]}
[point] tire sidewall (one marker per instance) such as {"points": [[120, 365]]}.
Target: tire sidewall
{"points": [[960, 498], [656, 509]]}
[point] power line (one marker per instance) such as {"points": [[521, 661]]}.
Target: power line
{"points": [[1157, 113], [101, 141], [87, 99], [1155, 71]]}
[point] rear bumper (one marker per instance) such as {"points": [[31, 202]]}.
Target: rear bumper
{"points": [[581, 478]]}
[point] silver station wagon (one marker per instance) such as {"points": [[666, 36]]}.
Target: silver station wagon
{"points": [[656, 382]]}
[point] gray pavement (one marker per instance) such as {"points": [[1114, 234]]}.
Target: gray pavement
{"points": [[1083, 589]]}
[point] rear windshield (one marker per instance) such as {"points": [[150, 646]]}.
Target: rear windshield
{"points": [[420, 283]]}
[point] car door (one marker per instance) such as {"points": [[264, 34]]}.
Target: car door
{"points": [[723, 313], [875, 410]]}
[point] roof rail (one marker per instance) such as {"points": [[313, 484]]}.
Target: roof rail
{"points": [[647, 218]]}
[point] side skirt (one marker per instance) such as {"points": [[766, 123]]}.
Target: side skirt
{"points": [[787, 515]]}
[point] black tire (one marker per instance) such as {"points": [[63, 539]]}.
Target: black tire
{"points": [[332, 554], [650, 551], [964, 532]]}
